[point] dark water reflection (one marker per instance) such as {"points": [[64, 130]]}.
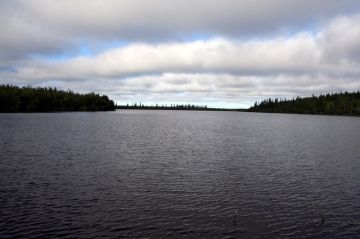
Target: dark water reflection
{"points": [[147, 174]]}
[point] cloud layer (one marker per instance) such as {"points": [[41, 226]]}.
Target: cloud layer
{"points": [[51, 26], [227, 53]]}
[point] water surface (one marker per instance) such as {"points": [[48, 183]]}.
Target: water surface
{"points": [[162, 174]]}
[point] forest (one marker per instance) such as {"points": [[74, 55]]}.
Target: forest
{"points": [[141, 106], [47, 99], [344, 103], [192, 107]]}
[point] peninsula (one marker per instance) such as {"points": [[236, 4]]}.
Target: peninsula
{"points": [[47, 99], [330, 104]]}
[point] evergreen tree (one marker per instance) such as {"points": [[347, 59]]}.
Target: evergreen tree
{"points": [[47, 99], [333, 104]]}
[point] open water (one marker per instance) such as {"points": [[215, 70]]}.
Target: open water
{"points": [[179, 174]]}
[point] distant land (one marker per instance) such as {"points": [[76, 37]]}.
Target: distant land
{"points": [[192, 107], [47, 99], [330, 104]]}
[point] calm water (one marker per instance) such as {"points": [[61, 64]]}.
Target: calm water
{"points": [[162, 174]]}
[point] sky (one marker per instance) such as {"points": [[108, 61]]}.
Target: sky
{"points": [[219, 53]]}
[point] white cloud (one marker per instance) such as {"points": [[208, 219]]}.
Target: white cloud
{"points": [[217, 55], [341, 40]]}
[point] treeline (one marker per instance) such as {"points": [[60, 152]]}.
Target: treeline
{"points": [[163, 107], [330, 104], [47, 99]]}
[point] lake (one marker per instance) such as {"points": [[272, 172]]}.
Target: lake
{"points": [[179, 174]]}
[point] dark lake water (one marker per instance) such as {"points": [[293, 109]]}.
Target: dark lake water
{"points": [[168, 174]]}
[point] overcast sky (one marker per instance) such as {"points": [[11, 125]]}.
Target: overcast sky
{"points": [[222, 53]]}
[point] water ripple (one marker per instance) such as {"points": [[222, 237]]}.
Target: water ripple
{"points": [[143, 174]]}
